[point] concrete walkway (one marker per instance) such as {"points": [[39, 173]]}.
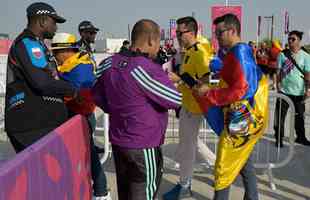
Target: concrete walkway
{"points": [[292, 181]]}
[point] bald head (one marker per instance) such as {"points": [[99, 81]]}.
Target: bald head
{"points": [[145, 37], [143, 31]]}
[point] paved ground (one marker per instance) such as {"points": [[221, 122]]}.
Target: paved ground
{"points": [[292, 180]]}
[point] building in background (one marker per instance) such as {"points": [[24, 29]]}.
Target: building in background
{"points": [[109, 45]]}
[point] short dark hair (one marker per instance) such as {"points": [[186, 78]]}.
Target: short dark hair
{"points": [[143, 29], [229, 20], [126, 42], [190, 23], [299, 34]]}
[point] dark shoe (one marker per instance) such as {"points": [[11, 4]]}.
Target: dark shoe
{"points": [[303, 141], [178, 192], [99, 150]]}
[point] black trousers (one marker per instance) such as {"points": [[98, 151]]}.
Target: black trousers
{"points": [[280, 114], [138, 172]]}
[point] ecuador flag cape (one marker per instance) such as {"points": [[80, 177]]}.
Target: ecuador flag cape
{"points": [[242, 82]]}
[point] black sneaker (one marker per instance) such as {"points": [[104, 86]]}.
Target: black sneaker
{"points": [[303, 142], [99, 150]]}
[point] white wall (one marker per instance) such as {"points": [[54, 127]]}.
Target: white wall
{"points": [[3, 60]]}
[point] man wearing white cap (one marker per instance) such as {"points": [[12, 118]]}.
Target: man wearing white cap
{"points": [[77, 68]]}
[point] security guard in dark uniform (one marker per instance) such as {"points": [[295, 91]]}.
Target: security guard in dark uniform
{"points": [[34, 96], [88, 34]]}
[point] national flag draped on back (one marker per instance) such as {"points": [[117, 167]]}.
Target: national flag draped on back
{"points": [[241, 82]]}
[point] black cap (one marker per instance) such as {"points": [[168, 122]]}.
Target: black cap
{"points": [[87, 25], [40, 8]]}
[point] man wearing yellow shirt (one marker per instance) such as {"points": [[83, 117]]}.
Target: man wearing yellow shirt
{"points": [[196, 64]]}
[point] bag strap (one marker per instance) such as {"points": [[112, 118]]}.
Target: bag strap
{"points": [[287, 53]]}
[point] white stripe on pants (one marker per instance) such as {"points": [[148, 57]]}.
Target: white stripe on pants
{"points": [[189, 125]]}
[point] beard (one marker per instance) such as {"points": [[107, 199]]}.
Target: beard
{"points": [[48, 35]]}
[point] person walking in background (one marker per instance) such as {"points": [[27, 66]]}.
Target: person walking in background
{"points": [[272, 62], [294, 82]]}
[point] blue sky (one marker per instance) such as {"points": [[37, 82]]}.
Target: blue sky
{"points": [[114, 16]]}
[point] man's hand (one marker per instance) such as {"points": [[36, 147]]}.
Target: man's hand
{"points": [[174, 77], [200, 90]]}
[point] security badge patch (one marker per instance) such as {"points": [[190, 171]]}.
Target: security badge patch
{"points": [[37, 52]]}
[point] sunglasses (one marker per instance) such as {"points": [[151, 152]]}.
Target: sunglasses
{"points": [[180, 33], [91, 32], [219, 33], [292, 39]]}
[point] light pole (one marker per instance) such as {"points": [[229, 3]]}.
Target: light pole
{"points": [[272, 25]]}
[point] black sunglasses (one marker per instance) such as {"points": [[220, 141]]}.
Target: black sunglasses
{"points": [[291, 39], [180, 33], [91, 32], [219, 33]]}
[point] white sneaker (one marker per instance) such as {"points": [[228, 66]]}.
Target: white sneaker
{"points": [[107, 197]]}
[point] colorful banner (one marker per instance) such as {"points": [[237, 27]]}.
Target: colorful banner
{"points": [[217, 11], [56, 167], [173, 28]]}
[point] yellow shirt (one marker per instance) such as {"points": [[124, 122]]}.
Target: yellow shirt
{"points": [[195, 62]]}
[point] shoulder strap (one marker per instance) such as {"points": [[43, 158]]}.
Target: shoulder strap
{"points": [[287, 53]]}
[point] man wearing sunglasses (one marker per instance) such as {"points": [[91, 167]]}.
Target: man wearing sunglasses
{"points": [[294, 82], [196, 64], [244, 82]]}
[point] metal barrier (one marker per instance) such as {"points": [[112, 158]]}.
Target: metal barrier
{"points": [[267, 156], [105, 129], [270, 159]]}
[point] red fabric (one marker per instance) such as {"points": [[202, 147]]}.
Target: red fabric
{"points": [[86, 107], [262, 57], [233, 76], [273, 57], [203, 103]]}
